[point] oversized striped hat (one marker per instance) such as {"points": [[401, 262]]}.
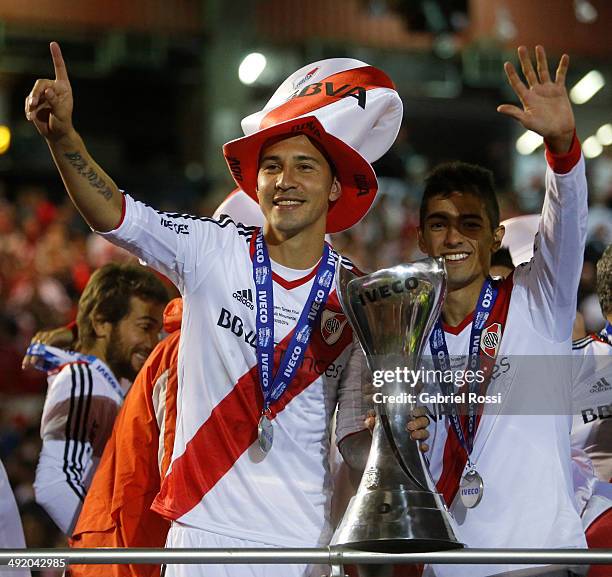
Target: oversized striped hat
{"points": [[349, 108]]}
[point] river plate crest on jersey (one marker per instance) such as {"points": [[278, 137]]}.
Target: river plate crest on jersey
{"points": [[332, 325], [489, 341]]}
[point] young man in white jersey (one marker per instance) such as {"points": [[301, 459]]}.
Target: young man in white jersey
{"points": [[506, 472], [259, 375], [592, 427], [119, 319], [591, 437]]}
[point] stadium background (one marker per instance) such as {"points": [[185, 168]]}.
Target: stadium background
{"points": [[160, 85]]}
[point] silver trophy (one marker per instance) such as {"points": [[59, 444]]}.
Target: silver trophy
{"points": [[397, 508]]}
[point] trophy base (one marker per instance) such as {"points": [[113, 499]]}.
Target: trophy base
{"points": [[400, 521]]}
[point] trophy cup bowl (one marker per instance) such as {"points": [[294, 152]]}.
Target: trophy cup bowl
{"points": [[396, 508]]}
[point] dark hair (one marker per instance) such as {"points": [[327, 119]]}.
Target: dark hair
{"points": [[108, 294], [447, 178], [502, 257], [604, 281]]}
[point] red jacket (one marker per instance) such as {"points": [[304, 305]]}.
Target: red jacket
{"points": [[116, 511]]}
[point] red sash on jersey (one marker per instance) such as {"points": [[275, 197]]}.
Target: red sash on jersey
{"points": [[455, 457], [599, 536], [231, 428]]}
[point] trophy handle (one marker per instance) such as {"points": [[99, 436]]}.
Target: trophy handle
{"points": [[407, 460], [344, 277]]}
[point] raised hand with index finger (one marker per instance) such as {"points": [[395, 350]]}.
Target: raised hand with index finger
{"points": [[546, 108], [49, 104]]}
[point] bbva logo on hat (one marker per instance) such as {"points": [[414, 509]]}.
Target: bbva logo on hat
{"points": [[348, 108]]}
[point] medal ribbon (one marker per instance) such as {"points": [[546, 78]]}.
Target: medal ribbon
{"points": [[50, 358], [273, 388], [441, 360], [606, 332]]}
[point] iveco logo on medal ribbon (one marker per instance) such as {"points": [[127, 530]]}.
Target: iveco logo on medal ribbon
{"points": [[489, 341], [261, 273], [326, 279], [263, 336], [304, 335]]}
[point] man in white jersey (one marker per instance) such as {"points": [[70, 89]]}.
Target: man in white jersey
{"points": [[11, 529], [591, 438], [265, 347], [592, 426], [119, 318], [506, 474]]}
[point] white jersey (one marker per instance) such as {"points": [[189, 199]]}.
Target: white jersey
{"points": [[592, 427], [11, 529], [522, 448], [219, 480], [82, 402]]}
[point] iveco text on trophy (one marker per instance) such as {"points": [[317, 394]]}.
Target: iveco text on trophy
{"points": [[396, 508]]}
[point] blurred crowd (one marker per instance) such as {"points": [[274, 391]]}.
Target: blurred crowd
{"points": [[47, 255]]}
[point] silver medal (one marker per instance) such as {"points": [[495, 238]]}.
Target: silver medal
{"points": [[265, 433], [471, 489]]}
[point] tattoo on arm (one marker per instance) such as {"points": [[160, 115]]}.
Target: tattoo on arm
{"points": [[86, 171]]}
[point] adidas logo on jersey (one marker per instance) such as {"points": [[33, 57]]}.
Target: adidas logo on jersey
{"points": [[245, 297], [600, 386]]}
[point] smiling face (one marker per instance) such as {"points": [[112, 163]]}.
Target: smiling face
{"points": [[456, 227], [132, 339], [295, 185]]}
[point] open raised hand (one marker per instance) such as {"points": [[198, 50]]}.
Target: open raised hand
{"points": [[546, 106], [49, 104]]}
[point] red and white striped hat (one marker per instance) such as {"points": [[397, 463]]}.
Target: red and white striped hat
{"points": [[347, 107]]}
